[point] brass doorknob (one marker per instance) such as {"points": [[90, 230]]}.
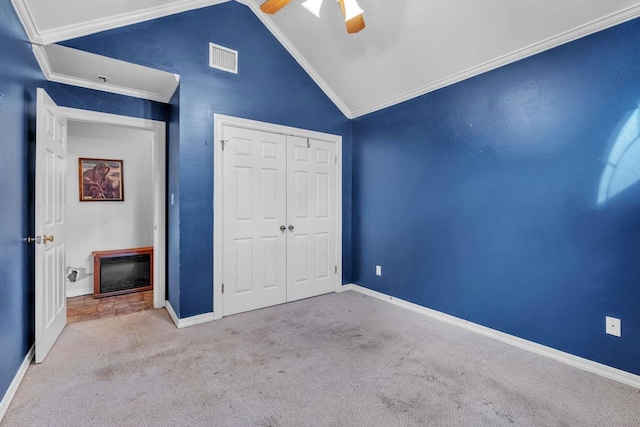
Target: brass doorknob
{"points": [[47, 239]]}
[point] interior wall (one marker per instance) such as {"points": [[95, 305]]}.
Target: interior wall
{"points": [[19, 77], [106, 225], [106, 102], [270, 86], [512, 199], [173, 202]]}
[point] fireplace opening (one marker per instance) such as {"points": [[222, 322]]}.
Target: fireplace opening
{"points": [[126, 272], [122, 271]]}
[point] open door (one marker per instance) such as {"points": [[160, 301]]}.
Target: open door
{"points": [[51, 150]]}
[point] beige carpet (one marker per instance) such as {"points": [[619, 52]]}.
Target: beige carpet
{"points": [[336, 360]]}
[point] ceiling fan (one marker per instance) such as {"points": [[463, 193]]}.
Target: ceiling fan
{"points": [[350, 10]]}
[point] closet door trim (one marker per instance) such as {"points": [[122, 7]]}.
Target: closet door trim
{"points": [[220, 121]]}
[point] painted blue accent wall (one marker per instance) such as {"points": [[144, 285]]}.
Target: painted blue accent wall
{"points": [[270, 87], [488, 200], [106, 102], [173, 209], [19, 77]]}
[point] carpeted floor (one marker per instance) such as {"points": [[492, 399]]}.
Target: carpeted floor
{"points": [[336, 360]]}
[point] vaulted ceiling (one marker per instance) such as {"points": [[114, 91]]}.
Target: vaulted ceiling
{"points": [[408, 48]]}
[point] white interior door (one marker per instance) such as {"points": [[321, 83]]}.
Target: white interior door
{"points": [[51, 149], [311, 212], [254, 210]]}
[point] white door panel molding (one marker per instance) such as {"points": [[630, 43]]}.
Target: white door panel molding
{"points": [[277, 214]]}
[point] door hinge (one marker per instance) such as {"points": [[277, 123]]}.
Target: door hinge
{"points": [[336, 269], [223, 288], [223, 142], [336, 159], [308, 143]]}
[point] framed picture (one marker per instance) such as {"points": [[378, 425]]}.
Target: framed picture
{"points": [[100, 180]]}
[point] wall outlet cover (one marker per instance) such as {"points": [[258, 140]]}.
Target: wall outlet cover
{"points": [[378, 270], [613, 326]]}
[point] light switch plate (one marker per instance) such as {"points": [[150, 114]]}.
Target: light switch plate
{"points": [[614, 326], [378, 270]]}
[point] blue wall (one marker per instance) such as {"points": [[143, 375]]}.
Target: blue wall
{"points": [[19, 76], [173, 217], [481, 199], [270, 87], [105, 102]]}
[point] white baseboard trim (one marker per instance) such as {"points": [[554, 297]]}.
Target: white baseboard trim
{"points": [[577, 362], [71, 293], [188, 321], [13, 387]]}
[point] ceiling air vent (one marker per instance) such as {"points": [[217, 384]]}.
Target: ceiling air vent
{"points": [[223, 58]]}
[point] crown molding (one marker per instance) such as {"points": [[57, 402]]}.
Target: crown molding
{"points": [[43, 61], [73, 31], [45, 65], [533, 49], [94, 26], [284, 41], [26, 19]]}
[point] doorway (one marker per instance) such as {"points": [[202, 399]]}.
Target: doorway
{"points": [[99, 224], [277, 220], [151, 139], [51, 220]]}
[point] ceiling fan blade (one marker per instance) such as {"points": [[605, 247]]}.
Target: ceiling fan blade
{"points": [[355, 24], [272, 6]]}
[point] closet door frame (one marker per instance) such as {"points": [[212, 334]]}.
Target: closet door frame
{"points": [[219, 122]]}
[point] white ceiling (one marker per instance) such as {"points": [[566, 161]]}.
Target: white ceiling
{"points": [[51, 21], [408, 48], [79, 68]]}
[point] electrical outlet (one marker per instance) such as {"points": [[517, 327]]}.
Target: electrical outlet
{"points": [[378, 270], [614, 326]]}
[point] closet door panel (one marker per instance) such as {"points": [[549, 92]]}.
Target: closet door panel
{"points": [[254, 208], [311, 211]]}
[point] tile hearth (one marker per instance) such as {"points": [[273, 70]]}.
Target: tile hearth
{"points": [[86, 307]]}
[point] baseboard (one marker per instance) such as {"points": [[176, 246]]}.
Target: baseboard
{"points": [[71, 293], [187, 321], [542, 350], [13, 387]]}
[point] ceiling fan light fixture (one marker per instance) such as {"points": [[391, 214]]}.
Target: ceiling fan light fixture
{"points": [[351, 10], [272, 6], [313, 6]]}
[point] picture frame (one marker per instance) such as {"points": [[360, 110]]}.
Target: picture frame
{"points": [[100, 180]]}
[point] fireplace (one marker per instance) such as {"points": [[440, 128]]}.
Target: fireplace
{"points": [[122, 271]]}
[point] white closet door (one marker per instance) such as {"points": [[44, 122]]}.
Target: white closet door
{"points": [[254, 246], [311, 212]]}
